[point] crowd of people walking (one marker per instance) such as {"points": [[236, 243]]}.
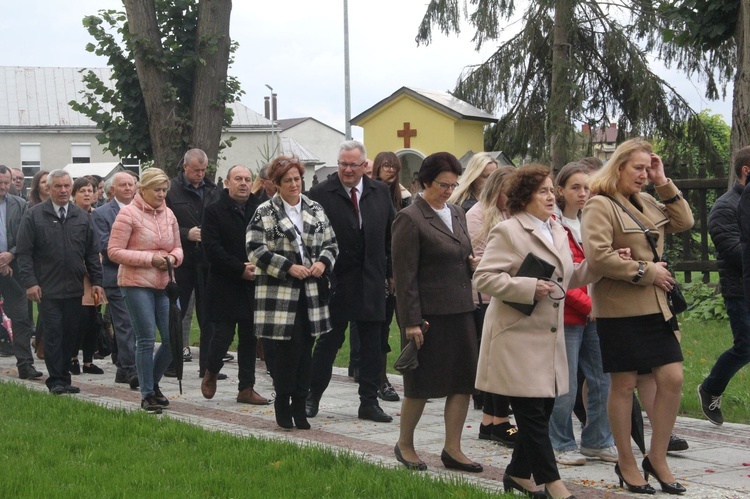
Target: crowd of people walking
{"points": [[545, 298]]}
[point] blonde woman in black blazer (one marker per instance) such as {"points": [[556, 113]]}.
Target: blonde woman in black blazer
{"points": [[432, 265]]}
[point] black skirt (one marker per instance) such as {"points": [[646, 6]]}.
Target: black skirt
{"points": [[637, 343]]}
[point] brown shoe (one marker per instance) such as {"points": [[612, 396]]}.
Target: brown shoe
{"points": [[250, 396], [208, 385], [39, 348]]}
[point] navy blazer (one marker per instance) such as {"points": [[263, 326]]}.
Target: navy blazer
{"points": [[364, 260]]}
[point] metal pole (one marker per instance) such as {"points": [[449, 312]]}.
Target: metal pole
{"points": [[347, 86], [273, 138]]}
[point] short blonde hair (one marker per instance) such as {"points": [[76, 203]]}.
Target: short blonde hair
{"points": [[605, 180], [152, 177]]}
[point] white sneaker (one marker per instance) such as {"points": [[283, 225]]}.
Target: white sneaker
{"points": [[570, 458], [608, 454]]}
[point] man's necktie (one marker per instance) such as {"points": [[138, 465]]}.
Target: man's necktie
{"points": [[62, 213], [355, 203]]}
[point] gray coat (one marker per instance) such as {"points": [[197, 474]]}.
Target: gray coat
{"points": [[102, 219], [272, 247]]}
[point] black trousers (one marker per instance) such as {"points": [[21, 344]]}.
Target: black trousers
{"points": [[222, 334], [533, 450], [495, 405], [370, 359], [191, 279], [291, 367], [86, 334], [61, 319]]}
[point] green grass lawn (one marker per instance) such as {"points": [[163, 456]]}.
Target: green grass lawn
{"points": [[63, 447]]}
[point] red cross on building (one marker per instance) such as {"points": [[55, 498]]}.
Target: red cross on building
{"points": [[407, 133]]}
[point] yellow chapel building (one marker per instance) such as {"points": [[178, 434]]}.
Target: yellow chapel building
{"points": [[415, 123]]}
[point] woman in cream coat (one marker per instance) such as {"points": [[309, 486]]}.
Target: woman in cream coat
{"points": [[523, 356]]}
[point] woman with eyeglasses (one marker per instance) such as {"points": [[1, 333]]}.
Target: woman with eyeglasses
{"points": [[479, 169], [292, 245], [522, 354], [432, 267]]}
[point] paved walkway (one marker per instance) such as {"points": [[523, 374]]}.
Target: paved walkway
{"points": [[717, 465]]}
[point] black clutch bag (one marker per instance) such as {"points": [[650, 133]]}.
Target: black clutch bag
{"points": [[536, 267]]}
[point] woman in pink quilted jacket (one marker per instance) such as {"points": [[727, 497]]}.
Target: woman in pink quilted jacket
{"points": [[144, 235]]}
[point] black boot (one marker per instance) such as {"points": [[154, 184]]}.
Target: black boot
{"points": [[298, 413], [283, 412]]}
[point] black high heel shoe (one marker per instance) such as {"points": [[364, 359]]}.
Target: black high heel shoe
{"points": [[412, 465], [451, 463], [510, 484], [668, 487], [283, 411], [635, 489]]}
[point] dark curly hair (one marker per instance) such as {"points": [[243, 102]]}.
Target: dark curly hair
{"points": [[523, 184]]}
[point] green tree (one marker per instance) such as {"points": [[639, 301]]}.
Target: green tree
{"points": [[712, 39], [573, 61], [169, 61]]}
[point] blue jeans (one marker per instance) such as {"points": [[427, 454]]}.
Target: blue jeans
{"points": [[582, 347], [149, 310], [738, 355]]}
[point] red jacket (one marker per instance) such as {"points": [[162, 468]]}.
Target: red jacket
{"points": [[577, 301]]}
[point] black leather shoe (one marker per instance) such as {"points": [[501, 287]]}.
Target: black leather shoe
{"points": [[92, 369], [72, 389], [58, 390], [227, 357], [388, 393], [133, 381], [373, 412], [298, 413], [510, 484], [505, 433], [451, 463], [668, 487], [149, 404], [677, 444], [75, 367], [412, 465], [159, 397], [312, 405], [29, 372], [171, 373], [219, 377], [121, 377]]}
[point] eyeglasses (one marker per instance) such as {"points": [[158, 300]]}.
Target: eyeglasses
{"points": [[390, 167], [447, 187], [350, 165]]}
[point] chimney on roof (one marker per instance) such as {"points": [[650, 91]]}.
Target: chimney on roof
{"points": [[613, 125], [586, 128], [275, 108], [267, 107]]}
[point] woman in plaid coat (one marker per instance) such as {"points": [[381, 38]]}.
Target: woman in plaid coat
{"points": [[293, 247]]}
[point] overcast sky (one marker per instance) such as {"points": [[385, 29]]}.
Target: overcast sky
{"points": [[295, 46]]}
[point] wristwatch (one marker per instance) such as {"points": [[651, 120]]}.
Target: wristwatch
{"points": [[641, 271], [672, 199]]}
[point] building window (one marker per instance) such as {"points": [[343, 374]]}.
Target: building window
{"points": [[132, 165], [80, 152], [31, 158]]}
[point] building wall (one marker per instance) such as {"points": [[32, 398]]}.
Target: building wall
{"points": [[468, 136], [249, 149], [317, 138], [55, 148], [434, 129]]}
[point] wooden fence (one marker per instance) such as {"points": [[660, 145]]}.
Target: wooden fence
{"points": [[692, 251]]}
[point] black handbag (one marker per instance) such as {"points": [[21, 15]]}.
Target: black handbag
{"points": [[675, 298]]}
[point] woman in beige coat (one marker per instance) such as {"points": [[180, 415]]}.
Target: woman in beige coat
{"points": [[523, 356], [630, 302]]}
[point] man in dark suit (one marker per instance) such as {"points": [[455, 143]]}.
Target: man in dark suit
{"points": [[55, 249], [229, 293], [189, 194], [12, 209], [102, 218], [361, 213]]}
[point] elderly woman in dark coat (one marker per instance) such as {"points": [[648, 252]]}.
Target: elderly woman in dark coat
{"points": [[432, 265], [292, 244]]}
